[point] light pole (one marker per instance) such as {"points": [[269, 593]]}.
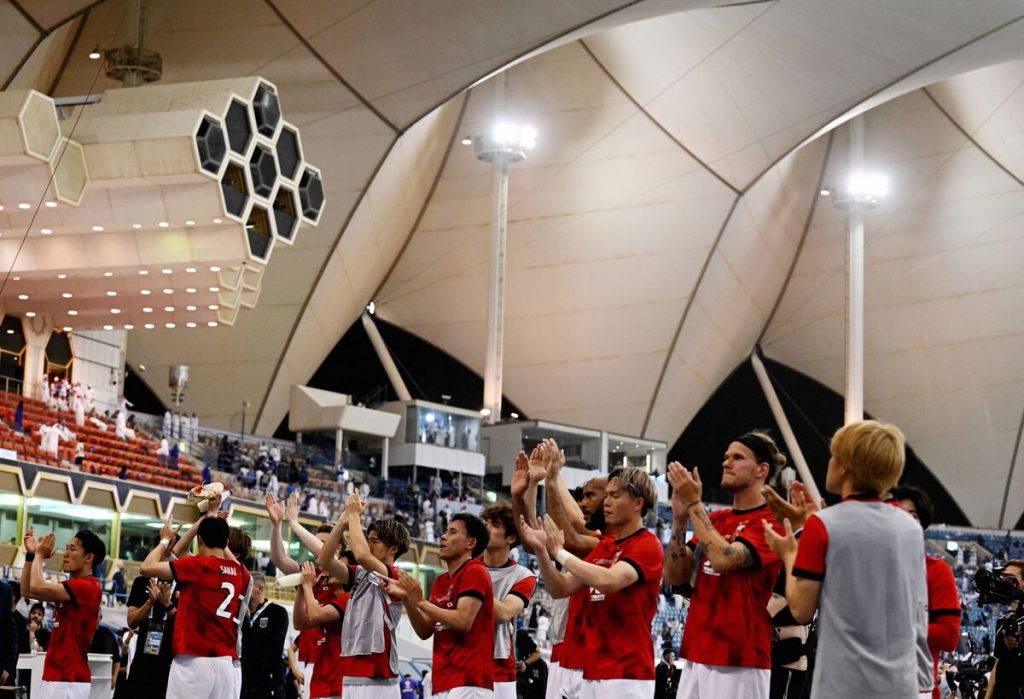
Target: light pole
{"points": [[862, 192], [507, 143]]}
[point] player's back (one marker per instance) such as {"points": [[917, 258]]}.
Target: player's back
{"points": [[214, 594]]}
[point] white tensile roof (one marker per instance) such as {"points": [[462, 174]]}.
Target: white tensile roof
{"points": [[668, 220]]}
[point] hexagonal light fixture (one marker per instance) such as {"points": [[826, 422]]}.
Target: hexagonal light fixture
{"points": [[311, 194], [70, 172], [263, 171], [266, 110], [259, 233], [239, 129], [37, 122], [234, 189], [211, 144], [286, 214], [289, 151]]}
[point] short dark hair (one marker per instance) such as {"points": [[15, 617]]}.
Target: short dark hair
{"points": [[94, 545], [475, 529], [37, 605], [324, 528], [392, 533], [213, 532], [1017, 563], [922, 503], [502, 514], [239, 543]]}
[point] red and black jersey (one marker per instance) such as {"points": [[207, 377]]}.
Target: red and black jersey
{"points": [[214, 593], [328, 667], [573, 654], [75, 622], [617, 625], [310, 640], [728, 622], [464, 659], [943, 612]]}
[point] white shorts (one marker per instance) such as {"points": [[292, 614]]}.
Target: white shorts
{"points": [[617, 689], [465, 693], [307, 673], [370, 691], [713, 681], [203, 678], [504, 690], [554, 686], [63, 690], [572, 683]]}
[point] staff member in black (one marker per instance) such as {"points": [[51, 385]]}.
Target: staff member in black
{"points": [[263, 634], [151, 613]]}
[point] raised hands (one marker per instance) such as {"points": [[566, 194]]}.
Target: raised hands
{"points": [[291, 508], [783, 546], [535, 537], [520, 475], [46, 546], [274, 509], [554, 458], [797, 510], [30, 541], [555, 536], [687, 489], [537, 464], [405, 588], [169, 532], [354, 506], [308, 573]]}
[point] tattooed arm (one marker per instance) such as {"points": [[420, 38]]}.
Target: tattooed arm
{"points": [[678, 556], [723, 555]]}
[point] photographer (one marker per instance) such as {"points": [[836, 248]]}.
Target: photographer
{"points": [[1007, 680]]}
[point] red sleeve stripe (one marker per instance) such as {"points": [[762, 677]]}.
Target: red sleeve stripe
{"points": [[808, 574]]}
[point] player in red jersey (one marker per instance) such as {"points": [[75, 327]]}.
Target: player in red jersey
{"points": [[368, 646], [728, 634], [311, 613], [943, 599], [214, 594], [621, 578], [459, 614], [310, 640], [66, 672], [513, 587], [581, 523]]}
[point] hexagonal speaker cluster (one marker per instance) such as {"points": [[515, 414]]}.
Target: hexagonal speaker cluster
{"points": [[311, 195], [211, 144], [266, 110], [263, 171]]}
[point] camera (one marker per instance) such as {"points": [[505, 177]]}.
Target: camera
{"points": [[996, 588]]}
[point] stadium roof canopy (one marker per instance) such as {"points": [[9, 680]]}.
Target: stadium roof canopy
{"points": [[668, 221]]}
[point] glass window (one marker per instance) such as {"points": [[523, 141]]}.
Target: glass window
{"points": [[139, 535], [434, 426], [297, 550], [10, 503], [66, 519]]}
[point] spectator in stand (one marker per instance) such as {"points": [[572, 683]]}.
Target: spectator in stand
{"points": [[167, 424], [207, 474], [8, 637], [172, 458], [35, 638], [163, 452], [19, 417]]}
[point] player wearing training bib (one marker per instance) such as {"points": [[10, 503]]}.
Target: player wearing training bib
{"points": [[513, 586], [459, 615], [66, 672], [617, 586], [310, 641], [214, 592], [369, 649]]}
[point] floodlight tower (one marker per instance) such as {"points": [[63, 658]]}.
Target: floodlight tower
{"points": [[862, 192], [507, 143]]}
